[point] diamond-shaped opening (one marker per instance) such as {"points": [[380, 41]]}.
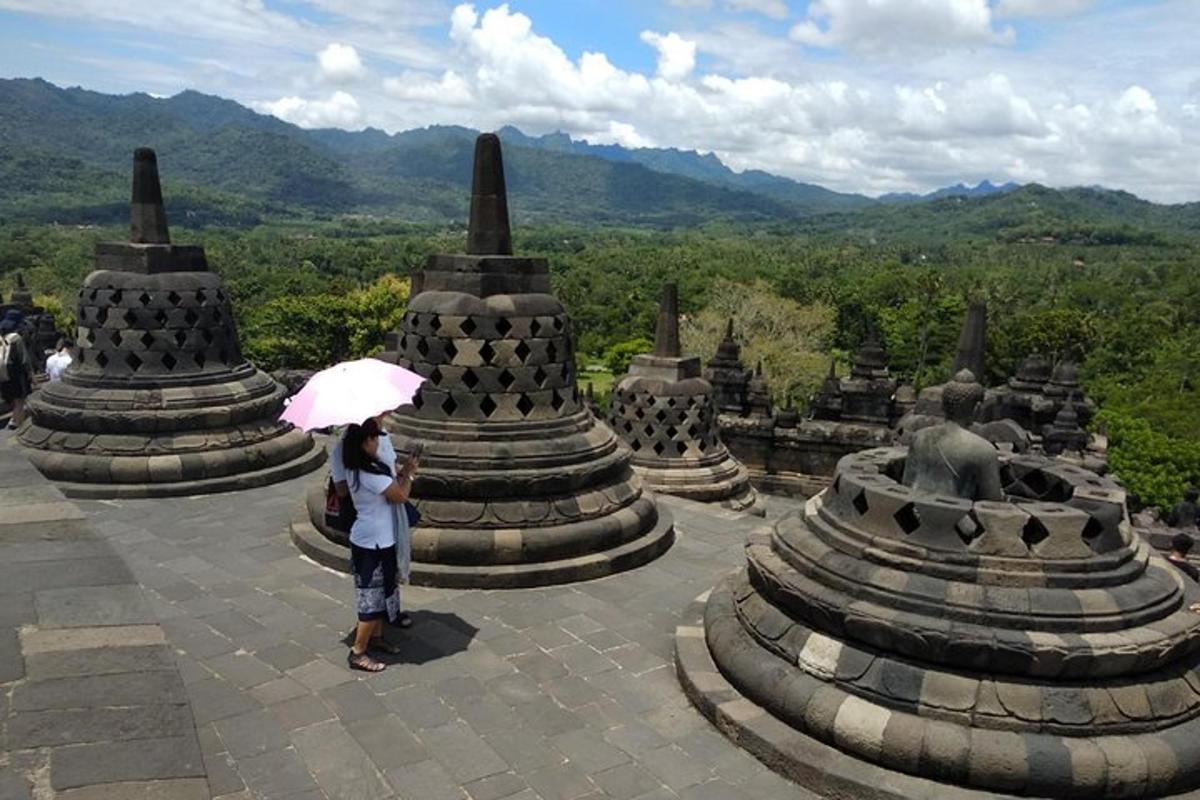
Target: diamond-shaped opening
{"points": [[1034, 533], [503, 326], [422, 347], [91, 296], [551, 352], [539, 376], [860, 502], [220, 296], [130, 317], [199, 359], [671, 402], [133, 361], [648, 431], [169, 361], [534, 327], [116, 337], [639, 413], [470, 379], [418, 401], [180, 338], [208, 336], [837, 484], [101, 315], [449, 406], [506, 379], [1037, 482], [659, 448], [467, 326], [102, 359], [968, 528], [147, 339], [450, 350], [216, 315], [628, 427], [161, 318], [144, 298], [487, 405], [566, 372], [907, 518], [201, 296], [525, 405], [671, 431], [702, 445], [636, 445], [681, 447], [116, 297], [90, 336], [661, 416], [1092, 531], [522, 350], [556, 401], [487, 353], [558, 323], [435, 323], [174, 298], [191, 317], [436, 376], [692, 431]]}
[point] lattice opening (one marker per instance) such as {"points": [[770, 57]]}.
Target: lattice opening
{"points": [[969, 528], [201, 296], [102, 359], [506, 379], [130, 317], [860, 503], [469, 378], [180, 338], [487, 406], [558, 323], [147, 340], [487, 353], [101, 315], [133, 362], [503, 326], [557, 401], [907, 518], [423, 347], [468, 326], [191, 317], [116, 338], [672, 431], [161, 318], [436, 376], [449, 406], [636, 445], [661, 416], [208, 336], [144, 298], [450, 350], [1034, 533], [551, 352], [435, 323], [659, 447], [169, 361], [199, 359], [116, 297], [534, 328], [525, 405], [540, 376], [522, 351]]}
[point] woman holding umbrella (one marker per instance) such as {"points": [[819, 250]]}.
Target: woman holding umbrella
{"points": [[358, 392], [377, 538]]}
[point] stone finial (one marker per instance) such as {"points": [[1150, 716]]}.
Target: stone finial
{"points": [[972, 342], [21, 281], [148, 216], [666, 336], [488, 232]]}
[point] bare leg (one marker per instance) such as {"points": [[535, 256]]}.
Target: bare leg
{"points": [[363, 634], [18, 411]]}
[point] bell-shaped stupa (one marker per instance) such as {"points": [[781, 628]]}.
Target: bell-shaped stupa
{"points": [[949, 621], [519, 485], [160, 400], [666, 413]]}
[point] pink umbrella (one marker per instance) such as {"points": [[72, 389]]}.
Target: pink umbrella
{"points": [[351, 392]]}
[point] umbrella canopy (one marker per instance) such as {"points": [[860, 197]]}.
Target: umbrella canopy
{"points": [[351, 392]]}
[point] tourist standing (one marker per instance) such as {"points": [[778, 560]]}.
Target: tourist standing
{"points": [[57, 364], [16, 367], [379, 537]]}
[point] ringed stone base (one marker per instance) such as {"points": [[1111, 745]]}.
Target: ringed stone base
{"points": [[706, 485], [331, 549], [816, 766]]}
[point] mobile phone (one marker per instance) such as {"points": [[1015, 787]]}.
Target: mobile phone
{"points": [[416, 450]]}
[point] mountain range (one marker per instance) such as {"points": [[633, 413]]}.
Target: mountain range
{"points": [[64, 156]]}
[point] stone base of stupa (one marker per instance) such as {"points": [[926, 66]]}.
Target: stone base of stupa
{"points": [[621, 545], [725, 483]]}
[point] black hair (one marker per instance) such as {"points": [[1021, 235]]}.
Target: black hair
{"points": [[354, 458], [1182, 543]]}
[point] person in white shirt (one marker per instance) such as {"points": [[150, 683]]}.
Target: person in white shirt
{"points": [[57, 364], [381, 527]]}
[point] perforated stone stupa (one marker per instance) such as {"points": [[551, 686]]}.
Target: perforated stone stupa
{"points": [[666, 413], [160, 400], [520, 484], [888, 642]]}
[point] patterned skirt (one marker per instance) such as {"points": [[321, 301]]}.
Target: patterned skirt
{"points": [[376, 589]]}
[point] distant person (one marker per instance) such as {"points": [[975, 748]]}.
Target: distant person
{"points": [[16, 367], [57, 364], [1186, 513], [379, 492], [1181, 545]]}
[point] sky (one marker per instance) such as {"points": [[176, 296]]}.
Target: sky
{"points": [[867, 96]]}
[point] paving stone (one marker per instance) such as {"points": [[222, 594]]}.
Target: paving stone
{"points": [[342, 768], [12, 665], [99, 661], [278, 773], [284, 656], [214, 698], [112, 762], [85, 606], [560, 782], [353, 701], [674, 767], [495, 787], [179, 789], [301, 712], [278, 690], [586, 750], [242, 669], [546, 716], [130, 688], [223, 778], [388, 742], [252, 734], [426, 780], [463, 753], [524, 750], [626, 782], [77, 726], [418, 707], [14, 786], [319, 674]]}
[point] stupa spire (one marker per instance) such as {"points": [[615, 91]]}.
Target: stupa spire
{"points": [[488, 232], [148, 216], [666, 336]]}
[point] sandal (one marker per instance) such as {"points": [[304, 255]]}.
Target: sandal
{"points": [[384, 646], [364, 662], [404, 620]]}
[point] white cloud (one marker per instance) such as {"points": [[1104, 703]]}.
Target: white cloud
{"points": [[891, 26], [1042, 8], [775, 9], [340, 110], [676, 55], [340, 63]]}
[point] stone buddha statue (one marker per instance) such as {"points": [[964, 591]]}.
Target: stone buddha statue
{"points": [[948, 459]]}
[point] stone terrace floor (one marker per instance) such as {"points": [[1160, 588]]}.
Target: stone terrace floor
{"points": [[554, 693]]}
